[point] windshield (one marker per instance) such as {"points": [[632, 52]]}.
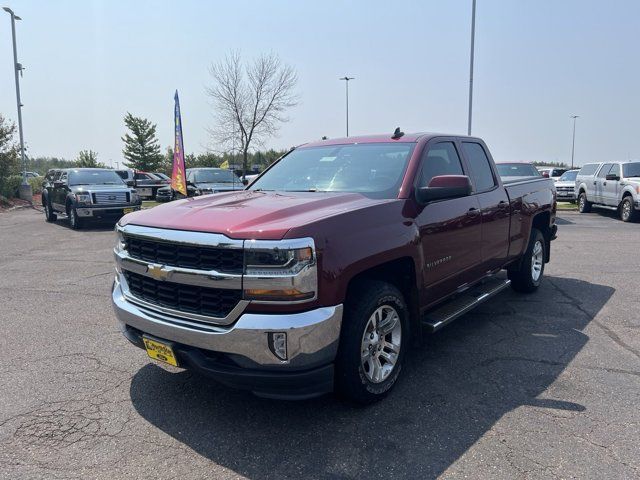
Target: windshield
{"points": [[215, 176], [94, 177], [631, 169], [375, 169], [517, 170], [568, 176]]}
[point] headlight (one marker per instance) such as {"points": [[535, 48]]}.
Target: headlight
{"points": [[83, 198], [282, 271]]}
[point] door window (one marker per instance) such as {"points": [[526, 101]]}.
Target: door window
{"points": [[481, 170], [441, 159], [615, 170], [604, 170]]}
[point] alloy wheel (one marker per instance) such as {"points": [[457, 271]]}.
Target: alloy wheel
{"points": [[380, 345]]}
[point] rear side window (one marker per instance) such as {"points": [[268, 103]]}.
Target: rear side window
{"points": [[588, 169], [481, 171], [604, 170], [440, 159]]}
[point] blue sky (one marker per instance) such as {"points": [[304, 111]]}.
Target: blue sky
{"points": [[537, 62]]}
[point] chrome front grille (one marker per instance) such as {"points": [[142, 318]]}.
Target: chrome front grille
{"points": [[210, 302], [198, 257], [110, 198]]}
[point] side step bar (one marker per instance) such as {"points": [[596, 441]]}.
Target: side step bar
{"points": [[461, 304]]}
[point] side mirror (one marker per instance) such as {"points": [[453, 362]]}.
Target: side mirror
{"points": [[612, 176], [245, 182], [131, 183], [545, 174], [58, 184], [444, 186]]}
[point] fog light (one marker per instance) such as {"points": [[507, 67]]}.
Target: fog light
{"points": [[278, 344]]}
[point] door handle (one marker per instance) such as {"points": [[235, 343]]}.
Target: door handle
{"points": [[473, 212], [604, 183]]}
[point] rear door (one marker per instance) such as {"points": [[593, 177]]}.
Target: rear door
{"points": [[450, 230], [494, 205], [611, 188], [598, 184]]}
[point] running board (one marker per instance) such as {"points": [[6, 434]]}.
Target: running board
{"points": [[461, 304]]}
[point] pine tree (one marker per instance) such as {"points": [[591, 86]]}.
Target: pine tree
{"points": [[88, 159], [141, 148]]}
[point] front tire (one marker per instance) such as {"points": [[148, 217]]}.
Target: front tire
{"points": [[375, 334], [74, 220], [627, 212], [528, 277], [584, 205], [49, 216]]}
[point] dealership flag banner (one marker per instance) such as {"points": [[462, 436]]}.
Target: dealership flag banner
{"points": [[178, 180]]}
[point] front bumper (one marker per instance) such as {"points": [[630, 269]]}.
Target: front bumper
{"points": [[104, 212], [239, 355]]}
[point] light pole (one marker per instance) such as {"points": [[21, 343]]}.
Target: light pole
{"points": [[25, 188], [346, 83], [573, 141], [473, 35]]}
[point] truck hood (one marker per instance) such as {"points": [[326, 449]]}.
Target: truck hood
{"points": [[99, 188], [565, 184], [249, 214]]}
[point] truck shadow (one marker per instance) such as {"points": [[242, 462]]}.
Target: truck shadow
{"points": [[502, 356]]}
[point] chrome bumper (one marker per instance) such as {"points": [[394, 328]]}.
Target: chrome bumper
{"points": [[312, 337], [92, 211]]}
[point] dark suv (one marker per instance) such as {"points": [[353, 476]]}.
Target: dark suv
{"points": [[87, 193]]}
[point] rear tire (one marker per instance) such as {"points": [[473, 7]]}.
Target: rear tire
{"points": [[584, 205], [528, 277], [627, 212], [375, 335], [49, 216]]}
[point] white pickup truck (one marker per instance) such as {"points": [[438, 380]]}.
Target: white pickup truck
{"points": [[614, 185]]}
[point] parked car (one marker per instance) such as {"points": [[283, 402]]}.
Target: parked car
{"points": [[166, 178], [613, 185], [551, 172], [85, 194], [566, 185], [325, 270], [516, 171], [203, 181], [33, 174]]}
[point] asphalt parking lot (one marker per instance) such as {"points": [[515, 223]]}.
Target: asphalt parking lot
{"points": [[539, 386]]}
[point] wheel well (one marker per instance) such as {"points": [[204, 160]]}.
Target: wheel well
{"points": [[627, 194], [581, 190], [542, 222], [399, 272]]}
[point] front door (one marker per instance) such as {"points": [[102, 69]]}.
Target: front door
{"points": [[450, 230], [610, 188], [59, 193]]}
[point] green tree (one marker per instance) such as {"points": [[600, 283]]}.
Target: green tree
{"points": [[88, 159], [141, 148], [9, 161]]}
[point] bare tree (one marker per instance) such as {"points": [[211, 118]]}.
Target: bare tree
{"points": [[250, 101]]}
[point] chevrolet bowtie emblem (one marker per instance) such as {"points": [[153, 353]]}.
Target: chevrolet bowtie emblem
{"points": [[158, 272]]}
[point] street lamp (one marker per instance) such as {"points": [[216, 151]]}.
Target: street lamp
{"points": [[573, 141], [473, 36], [346, 82], [25, 188]]}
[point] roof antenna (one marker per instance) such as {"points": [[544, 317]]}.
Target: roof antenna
{"points": [[397, 134]]}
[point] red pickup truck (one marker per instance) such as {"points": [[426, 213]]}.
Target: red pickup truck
{"points": [[321, 274]]}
